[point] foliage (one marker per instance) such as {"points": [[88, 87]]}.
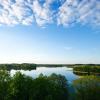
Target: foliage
{"points": [[53, 87], [23, 66], [87, 88], [22, 87], [88, 69], [4, 84]]}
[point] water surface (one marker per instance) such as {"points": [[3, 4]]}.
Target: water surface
{"points": [[65, 71]]}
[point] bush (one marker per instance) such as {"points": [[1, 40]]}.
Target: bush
{"points": [[87, 88], [22, 87], [5, 80]]}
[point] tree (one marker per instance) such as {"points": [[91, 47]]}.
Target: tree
{"points": [[53, 87], [87, 88], [21, 86], [4, 84]]}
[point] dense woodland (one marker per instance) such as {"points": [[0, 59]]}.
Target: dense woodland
{"points": [[22, 87], [54, 87]]}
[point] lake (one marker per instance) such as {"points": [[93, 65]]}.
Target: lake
{"points": [[65, 71]]}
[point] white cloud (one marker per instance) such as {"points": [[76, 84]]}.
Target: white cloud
{"points": [[42, 13], [84, 12], [69, 12], [28, 20]]}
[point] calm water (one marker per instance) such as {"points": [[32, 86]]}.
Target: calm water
{"points": [[65, 71]]}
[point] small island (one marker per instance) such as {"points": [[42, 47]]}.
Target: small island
{"points": [[87, 69]]}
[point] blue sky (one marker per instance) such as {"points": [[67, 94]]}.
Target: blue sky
{"points": [[49, 31]]}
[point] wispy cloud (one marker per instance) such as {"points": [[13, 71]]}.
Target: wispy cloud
{"points": [[43, 14], [69, 12], [79, 11]]}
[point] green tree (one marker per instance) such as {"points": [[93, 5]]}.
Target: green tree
{"points": [[53, 87], [21, 86], [60, 91], [87, 88], [4, 84]]}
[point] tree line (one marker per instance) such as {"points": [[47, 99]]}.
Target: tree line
{"points": [[24, 66]]}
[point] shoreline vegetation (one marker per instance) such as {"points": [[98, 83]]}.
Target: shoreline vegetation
{"points": [[85, 73], [78, 69], [86, 70], [53, 87], [87, 88], [32, 66], [22, 87]]}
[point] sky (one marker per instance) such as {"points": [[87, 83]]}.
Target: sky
{"points": [[50, 31]]}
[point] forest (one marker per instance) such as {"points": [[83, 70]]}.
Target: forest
{"points": [[53, 87]]}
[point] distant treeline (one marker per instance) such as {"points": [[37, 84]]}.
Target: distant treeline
{"points": [[67, 65], [28, 66], [23, 66], [87, 69], [50, 65], [79, 65]]}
